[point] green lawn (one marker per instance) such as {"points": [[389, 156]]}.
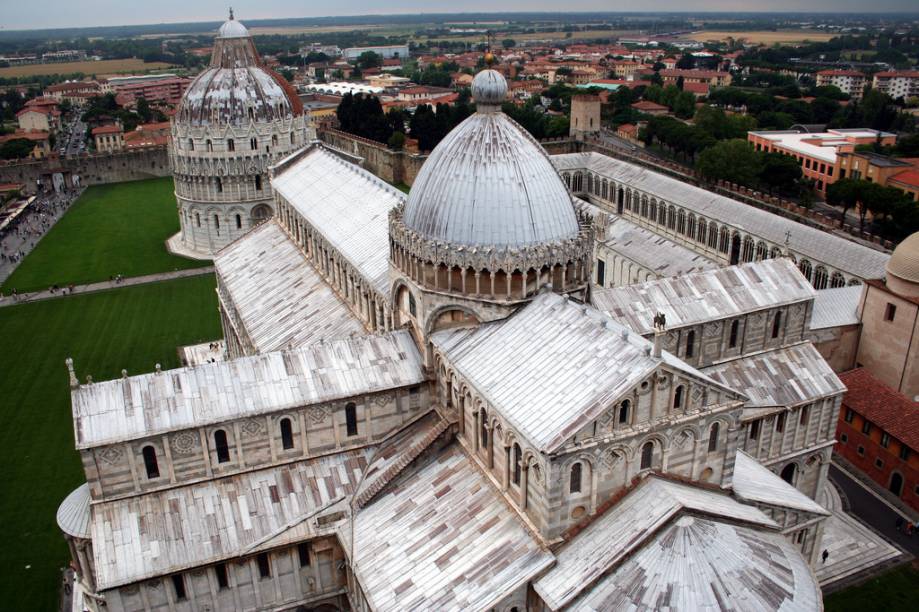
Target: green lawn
{"points": [[132, 328], [112, 229], [896, 590]]}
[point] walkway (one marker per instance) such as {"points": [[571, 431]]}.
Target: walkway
{"points": [[103, 286]]}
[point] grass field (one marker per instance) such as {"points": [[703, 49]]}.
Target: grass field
{"points": [[112, 229], [895, 591], [87, 67], [132, 328], [764, 36]]}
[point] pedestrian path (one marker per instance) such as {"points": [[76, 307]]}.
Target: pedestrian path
{"points": [[853, 548], [37, 296]]}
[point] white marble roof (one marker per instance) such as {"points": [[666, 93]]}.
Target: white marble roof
{"points": [[622, 529], [697, 563], [554, 366], [348, 205], [815, 244], [167, 531], [701, 297], [652, 251], [836, 307], [149, 404], [440, 538], [280, 298], [789, 376], [754, 482]]}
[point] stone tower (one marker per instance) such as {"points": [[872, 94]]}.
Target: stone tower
{"points": [[585, 116], [236, 120]]}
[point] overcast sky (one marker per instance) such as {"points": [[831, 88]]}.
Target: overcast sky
{"points": [[17, 14]]}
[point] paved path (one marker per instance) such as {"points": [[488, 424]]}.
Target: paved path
{"points": [[104, 286], [867, 506], [31, 227]]}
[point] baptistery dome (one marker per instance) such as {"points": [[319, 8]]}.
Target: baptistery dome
{"points": [[489, 183], [236, 88], [903, 267]]}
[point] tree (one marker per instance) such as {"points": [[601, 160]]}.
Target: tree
{"points": [[17, 148], [143, 109], [844, 193], [731, 160], [396, 141], [686, 62], [369, 59], [508, 43], [781, 173]]}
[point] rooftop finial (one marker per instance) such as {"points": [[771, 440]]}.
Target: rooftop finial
{"points": [[231, 13], [660, 325]]}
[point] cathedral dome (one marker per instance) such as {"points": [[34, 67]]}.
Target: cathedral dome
{"points": [[489, 183], [236, 88], [903, 267]]}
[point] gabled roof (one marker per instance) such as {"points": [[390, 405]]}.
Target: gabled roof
{"points": [[815, 244], [184, 527], [891, 411], [348, 205], [554, 366], [704, 564], [711, 295], [788, 376], [441, 539], [150, 404], [753, 482], [625, 527], [280, 298], [836, 307]]}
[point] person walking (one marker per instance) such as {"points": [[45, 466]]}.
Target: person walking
{"points": [[826, 555]]}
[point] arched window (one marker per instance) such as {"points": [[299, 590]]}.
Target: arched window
{"points": [[662, 214], [274, 140], [805, 267], [351, 418], [287, 434], [216, 222], [671, 218], [747, 248], [690, 343], [518, 458], [292, 139], [713, 438], [678, 397], [220, 445], [150, 463], [251, 114], [198, 219], [820, 277], [483, 426], [574, 485], [647, 455], [239, 222], [624, 412], [776, 324], [258, 182], [209, 145], [231, 146], [219, 183], [253, 142], [191, 144], [681, 222], [724, 244], [788, 473], [762, 251], [837, 280], [735, 327], [700, 232]]}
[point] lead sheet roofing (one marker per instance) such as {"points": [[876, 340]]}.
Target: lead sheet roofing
{"points": [[622, 529], [554, 366], [701, 297], [754, 482], [348, 205], [148, 404], [815, 244], [440, 538], [836, 307], [279, 296]]}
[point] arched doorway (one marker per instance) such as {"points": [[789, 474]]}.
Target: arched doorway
{"points": [[620, 201], [788, 473], [260, 213], [735, 249], [896, 484]]}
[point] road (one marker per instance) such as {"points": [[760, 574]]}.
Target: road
{"points": [[872, 511]]}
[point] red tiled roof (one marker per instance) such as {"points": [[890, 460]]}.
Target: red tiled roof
{"points": [[679, 72], [107, 129], [851, 73], [893, 412], [909, 178], [647, 105], [33, 135], [910, 74], [696, 88], [627, 128]]}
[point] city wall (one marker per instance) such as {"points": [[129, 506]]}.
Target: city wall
{"points": [[92, 169]]}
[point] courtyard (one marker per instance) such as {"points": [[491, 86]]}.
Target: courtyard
{"points": [[132, 328], [117, 229]]}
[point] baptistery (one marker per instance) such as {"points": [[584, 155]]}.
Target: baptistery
{"points": [[236, 120]]}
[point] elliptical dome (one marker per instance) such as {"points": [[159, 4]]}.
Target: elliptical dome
{"points": [[232, 29], [489, 183]]}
